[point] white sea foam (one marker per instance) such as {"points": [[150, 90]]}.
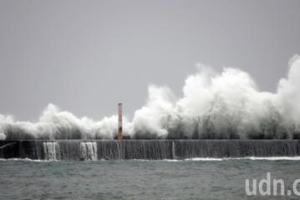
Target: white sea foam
{"points": [[296, 158], [26, 159], [222, 105], [205, 159]]}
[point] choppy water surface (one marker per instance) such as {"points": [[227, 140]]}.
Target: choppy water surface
{"points": [[136, 179]]}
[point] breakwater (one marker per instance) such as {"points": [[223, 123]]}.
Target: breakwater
{"points": [[146, 149]]}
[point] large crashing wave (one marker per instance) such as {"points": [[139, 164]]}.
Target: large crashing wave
{"points": [[214, 106]]}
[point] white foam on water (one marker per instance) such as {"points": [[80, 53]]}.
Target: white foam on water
{"points": [[295, 158], [26, 159], [205, 159]]}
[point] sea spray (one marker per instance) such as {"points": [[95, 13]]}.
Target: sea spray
{"points": [[225, 105]]}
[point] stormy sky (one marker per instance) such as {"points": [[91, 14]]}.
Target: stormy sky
{"points": [[86, 56]]}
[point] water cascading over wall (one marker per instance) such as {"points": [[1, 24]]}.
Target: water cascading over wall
{"points": [[88, 151], [51, 150], [146, 149]]}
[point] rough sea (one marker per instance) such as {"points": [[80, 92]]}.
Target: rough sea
{"points": [[143, 179]]}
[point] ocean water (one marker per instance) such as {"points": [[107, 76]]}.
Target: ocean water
{"points": [[141, 179]]}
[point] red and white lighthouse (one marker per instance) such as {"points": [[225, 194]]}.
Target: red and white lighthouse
{"points": [[120, 122]]}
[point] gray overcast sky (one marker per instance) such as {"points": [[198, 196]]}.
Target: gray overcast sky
{"points": [[86, 56]]}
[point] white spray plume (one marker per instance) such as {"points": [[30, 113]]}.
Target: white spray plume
{"points": [[223, 106], [214, 106], [57, 124]]}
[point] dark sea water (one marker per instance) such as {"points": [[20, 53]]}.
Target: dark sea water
{"points": [[138, 179]]}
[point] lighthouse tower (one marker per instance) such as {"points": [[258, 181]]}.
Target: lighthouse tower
{"points": [[120, 121]]}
